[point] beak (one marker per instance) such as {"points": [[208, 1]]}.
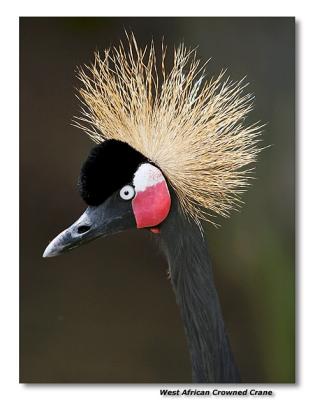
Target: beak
{"points": [[102, 220]]}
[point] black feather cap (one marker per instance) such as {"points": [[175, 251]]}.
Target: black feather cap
{"points": [[109, 166]]}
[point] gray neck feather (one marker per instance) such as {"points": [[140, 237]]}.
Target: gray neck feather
{"points": [[192, 280]]}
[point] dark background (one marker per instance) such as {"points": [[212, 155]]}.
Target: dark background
{"points": [[106, 312]]}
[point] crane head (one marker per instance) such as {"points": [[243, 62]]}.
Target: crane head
{"points": [[122, 189], [153, 122]]}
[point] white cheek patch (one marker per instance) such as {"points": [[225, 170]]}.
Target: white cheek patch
{"points": [[152, 201], [146, 176]]}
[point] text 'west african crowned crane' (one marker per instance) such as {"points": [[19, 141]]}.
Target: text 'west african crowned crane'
{"points": [[172, 150]]}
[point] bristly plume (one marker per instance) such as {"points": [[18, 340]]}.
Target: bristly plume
{"points": [[193, 129]]}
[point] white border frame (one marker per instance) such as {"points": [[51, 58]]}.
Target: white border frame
{"points": [[305, 266]]}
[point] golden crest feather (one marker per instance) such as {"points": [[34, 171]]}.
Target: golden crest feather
{"points": [[193, 129]]}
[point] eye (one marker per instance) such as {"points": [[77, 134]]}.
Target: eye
{"points": [[127, 192]]}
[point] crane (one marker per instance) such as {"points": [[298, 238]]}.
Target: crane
{"points": [[172, 150]]}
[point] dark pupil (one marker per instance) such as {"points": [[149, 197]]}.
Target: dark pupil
{"points": [[126, 192]]}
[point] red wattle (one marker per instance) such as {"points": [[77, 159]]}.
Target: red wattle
{"points": [[152, 205]]}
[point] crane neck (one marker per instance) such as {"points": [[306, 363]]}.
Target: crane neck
{"points": [[193, 284]]}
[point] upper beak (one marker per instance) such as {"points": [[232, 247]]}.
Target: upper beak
{"points": [[93, 223], [80, 232]]}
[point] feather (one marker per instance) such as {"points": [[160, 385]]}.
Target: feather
{"points": [[193, 129]]}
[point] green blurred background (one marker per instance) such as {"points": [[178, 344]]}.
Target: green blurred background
{"points": [[106, 312]]}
